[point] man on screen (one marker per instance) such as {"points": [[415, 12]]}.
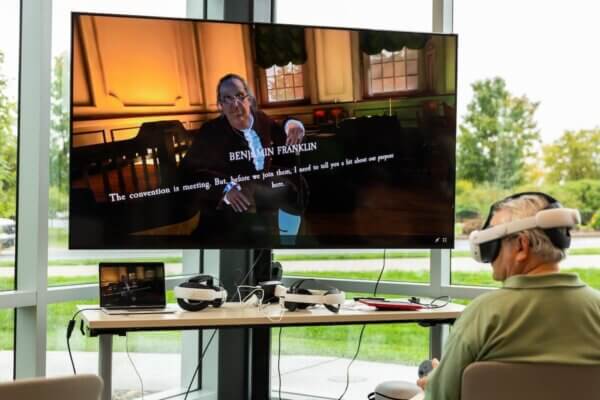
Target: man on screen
{"points": [[243, 155], [539, 315]]}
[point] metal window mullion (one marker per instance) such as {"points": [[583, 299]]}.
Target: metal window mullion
{"points": [[196, 8], [465, 292], [439, 264], [442, 22], [443, 16], [195, 262], [262, 11], [32, 189], [190, 340], [399, 288], [61, 294], [364, 286], [210, 373], [17, 299]]}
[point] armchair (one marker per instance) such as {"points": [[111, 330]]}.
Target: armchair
{"points": [[80, 387]]}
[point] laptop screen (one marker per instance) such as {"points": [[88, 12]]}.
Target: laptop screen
{"points": [[132, 285]]}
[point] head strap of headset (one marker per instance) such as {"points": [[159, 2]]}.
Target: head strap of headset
{"points": [[554, 220]]}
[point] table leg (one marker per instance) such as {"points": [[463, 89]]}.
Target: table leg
{"points": [[105, 364], [260, 371], [438, 334]]}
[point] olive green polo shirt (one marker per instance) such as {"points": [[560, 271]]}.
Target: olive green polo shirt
{"points": [[552, 318]]}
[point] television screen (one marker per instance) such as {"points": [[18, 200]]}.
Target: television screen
{"points": [[204, 134]]}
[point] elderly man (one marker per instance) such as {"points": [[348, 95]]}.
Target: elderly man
{"points": [[540, 315], [239, 155]]}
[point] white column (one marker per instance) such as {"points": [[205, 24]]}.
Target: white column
{"points": [[191, 265], [440, 280], [440, 260], [190, 339], [32, 192], [195, 8], [215, 9], [210, 370], [443, 17], [262, 11]]}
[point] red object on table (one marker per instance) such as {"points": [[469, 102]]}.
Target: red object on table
{"points": [[392, 305]]}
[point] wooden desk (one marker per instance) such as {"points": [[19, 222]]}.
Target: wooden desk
{"points": [[235, 315]]}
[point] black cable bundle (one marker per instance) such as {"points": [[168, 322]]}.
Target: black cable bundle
{"points": [[70, 327]]}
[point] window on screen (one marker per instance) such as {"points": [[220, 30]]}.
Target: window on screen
{"points": [[284, 84], [393, 71]]}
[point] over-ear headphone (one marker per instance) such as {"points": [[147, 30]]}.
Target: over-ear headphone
{"points": [[554, 220], [299, 298], [198, 293]]}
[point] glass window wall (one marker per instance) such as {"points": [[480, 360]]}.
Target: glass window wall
{"points": [[551, 140]]}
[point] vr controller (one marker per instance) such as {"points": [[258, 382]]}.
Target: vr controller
{"points": [[400, 390], [425, 368], [198, 293]]}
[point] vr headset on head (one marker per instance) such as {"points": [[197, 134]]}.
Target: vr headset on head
{"points": [[198, 293], [554, 220]]}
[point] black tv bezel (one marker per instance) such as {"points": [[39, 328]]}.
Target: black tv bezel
{"points": [[156, 242]]}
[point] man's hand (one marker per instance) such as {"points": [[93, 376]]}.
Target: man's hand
{"points": [[422, 382], [236, 199], [294, 131]]}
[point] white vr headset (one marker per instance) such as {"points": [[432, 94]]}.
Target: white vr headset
{"points": [[485, 244], [296, 297], [198, 293]]}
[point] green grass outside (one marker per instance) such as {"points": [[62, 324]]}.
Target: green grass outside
{"points": [[60, 313], [293, 257], [401, 343], [592, 251], [394, 343], [149, 342], [58, 237], [396, 254], [93, 261]]}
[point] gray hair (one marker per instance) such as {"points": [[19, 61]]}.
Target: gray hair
{"points": [[527, 206]]}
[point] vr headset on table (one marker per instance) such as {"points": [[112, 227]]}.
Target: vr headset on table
{"points": [[297, 297], [554, 220], [199, 292]]}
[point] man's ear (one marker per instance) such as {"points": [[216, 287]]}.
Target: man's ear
{"points": [[523, 248]]}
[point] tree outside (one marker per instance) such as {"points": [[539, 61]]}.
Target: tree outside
{"points": [[496, 157], [8, 150], [59, 142], [497, 135], [574, 156]]}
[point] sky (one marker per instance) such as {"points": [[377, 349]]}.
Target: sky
{"points": [[543, 49]]}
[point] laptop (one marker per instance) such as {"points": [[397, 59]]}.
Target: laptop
{"points": [[133, 288]]}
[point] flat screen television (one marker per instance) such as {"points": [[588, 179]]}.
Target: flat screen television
{"points": [[207, 134]]}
